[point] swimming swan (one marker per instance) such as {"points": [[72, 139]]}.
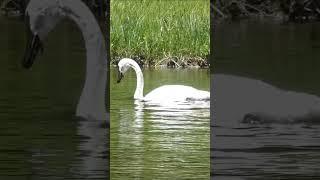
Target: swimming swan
{"points": [[164, 93], [239, 99], [41, 17]]}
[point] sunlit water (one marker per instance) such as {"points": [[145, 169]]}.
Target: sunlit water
{"points": [[149, 141], [284, 55], [39, 136]]}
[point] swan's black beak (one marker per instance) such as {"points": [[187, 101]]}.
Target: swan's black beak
{"points": [[120, 76], [33, 46]]}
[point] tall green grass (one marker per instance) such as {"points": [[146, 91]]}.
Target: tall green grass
{"points": [[156, 29]]}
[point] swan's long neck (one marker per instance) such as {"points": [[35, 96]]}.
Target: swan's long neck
{"points": [[138, 94], [92, 101]]}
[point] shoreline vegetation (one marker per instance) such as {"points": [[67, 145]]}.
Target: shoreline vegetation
{"points": [[161, 33], [298, 11]]}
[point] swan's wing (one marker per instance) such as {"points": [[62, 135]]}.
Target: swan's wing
{"points": [[176, 93]]}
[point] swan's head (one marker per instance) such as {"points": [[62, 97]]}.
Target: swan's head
{"points": [[123, 65], [40, 18]]}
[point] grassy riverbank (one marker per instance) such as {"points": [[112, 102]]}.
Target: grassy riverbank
{"points": [[159, 30]]}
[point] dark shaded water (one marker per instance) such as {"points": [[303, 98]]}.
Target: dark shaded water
{"points": [[284, 55], [154, 142], [39, 136]]}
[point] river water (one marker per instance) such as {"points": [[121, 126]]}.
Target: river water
{"points": [[157, 142], [286, 56], [39, 136]]}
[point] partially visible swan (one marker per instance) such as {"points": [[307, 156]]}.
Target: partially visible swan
{"points": [[166, 93], [41, 17], [239, 99]]}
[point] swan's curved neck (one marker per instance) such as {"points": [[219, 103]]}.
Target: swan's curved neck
{"points": [[138, 94], [92, 100]]}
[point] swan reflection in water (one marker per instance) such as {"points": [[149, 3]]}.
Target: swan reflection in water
{"points": [[163, 138], [68, 154], [174, 113], [177, 117], [93, 149]]}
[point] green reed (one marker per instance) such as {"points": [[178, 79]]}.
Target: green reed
{"points": [[155, 29]]}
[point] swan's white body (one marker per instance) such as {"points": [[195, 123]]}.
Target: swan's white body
{"points": [[234, 98], [44, 15], [166, 93], [176, 93]]}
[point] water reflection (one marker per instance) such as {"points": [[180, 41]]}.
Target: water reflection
{"points": [[175, 115], [92, 148]]}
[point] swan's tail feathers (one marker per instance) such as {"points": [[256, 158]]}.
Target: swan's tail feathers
{"points": [[268, 118], [197, 99], [200, 96]]}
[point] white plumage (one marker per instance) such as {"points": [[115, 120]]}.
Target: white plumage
{"points": [[166, 93], [237, 98]]}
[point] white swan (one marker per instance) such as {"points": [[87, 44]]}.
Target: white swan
{"points": [[41, 17], [239, 99], [172, 93]]}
